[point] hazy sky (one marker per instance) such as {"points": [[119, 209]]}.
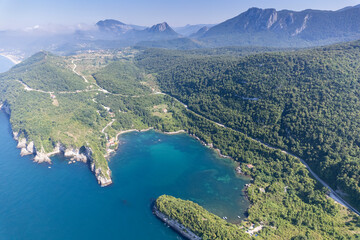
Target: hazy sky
{"points": [[27, 13]]}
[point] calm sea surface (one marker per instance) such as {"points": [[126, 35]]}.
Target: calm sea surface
{"points": [[5, 64], [65, 202]]}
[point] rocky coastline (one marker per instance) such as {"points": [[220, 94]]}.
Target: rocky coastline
{"points": [[83, 154], [210, 145], [175, 225]]}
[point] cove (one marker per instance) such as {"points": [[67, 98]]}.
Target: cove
{"points": [[65, 202]]}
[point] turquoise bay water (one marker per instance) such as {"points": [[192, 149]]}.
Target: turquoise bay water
{"points": [[65, 202]]}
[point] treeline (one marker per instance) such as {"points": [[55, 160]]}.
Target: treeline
{"points": [[305, 102], [203, 223], [284, 198]]}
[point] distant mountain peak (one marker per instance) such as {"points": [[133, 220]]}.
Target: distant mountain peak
{"points": [[108, 22], [308, 24], [115, 26], [162, 28]]}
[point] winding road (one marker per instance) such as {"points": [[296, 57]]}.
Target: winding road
{"points": [[332, 193]]}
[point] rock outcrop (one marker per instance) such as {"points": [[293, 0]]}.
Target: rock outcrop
{"points": [[103, 179], [103, 176], [15, 136], [5, 107], [26, 148], [21, 143], [84, 154], [42, 157], [75, 155]]}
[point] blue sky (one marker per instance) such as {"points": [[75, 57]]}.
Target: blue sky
{"points": [[27, 13]]}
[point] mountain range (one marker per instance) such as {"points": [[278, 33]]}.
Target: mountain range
{"points": [[255, 27], [287, 28]]}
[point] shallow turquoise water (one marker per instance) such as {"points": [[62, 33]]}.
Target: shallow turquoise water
{"points": [[65, 202]]}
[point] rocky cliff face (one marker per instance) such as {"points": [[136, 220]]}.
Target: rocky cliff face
{"points": [[103, 176], [5, 107], [84, 154], [308, 25]]}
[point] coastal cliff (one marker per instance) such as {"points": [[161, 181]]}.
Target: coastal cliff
{"points": [[83, 154]]}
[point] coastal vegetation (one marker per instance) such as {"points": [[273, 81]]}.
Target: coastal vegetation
{"points": [[304, 102], [284, 198], [122, 77], [201, 222], [52, 104]]}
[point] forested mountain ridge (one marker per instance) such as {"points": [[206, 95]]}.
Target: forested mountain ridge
{"points": [[305, 102]]}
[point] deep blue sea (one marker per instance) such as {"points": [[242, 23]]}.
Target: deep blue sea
{"points": [[65, 201]]}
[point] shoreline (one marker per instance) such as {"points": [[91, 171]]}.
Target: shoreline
{"points": [[109, 151], [175, 225], [10, 58]]}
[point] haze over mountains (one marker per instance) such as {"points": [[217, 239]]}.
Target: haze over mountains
{"points": [[256, 27]]}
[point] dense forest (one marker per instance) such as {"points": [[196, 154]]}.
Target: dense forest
{"points": [[284, 198], [206, 225], [121, 77], [305, 102], [286, 99]]}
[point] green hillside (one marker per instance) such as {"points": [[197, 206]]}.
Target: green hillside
{"points": [[45, 71], [286, 99], [51, 104], [204, 224], [122, 77], [305, 102]]}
